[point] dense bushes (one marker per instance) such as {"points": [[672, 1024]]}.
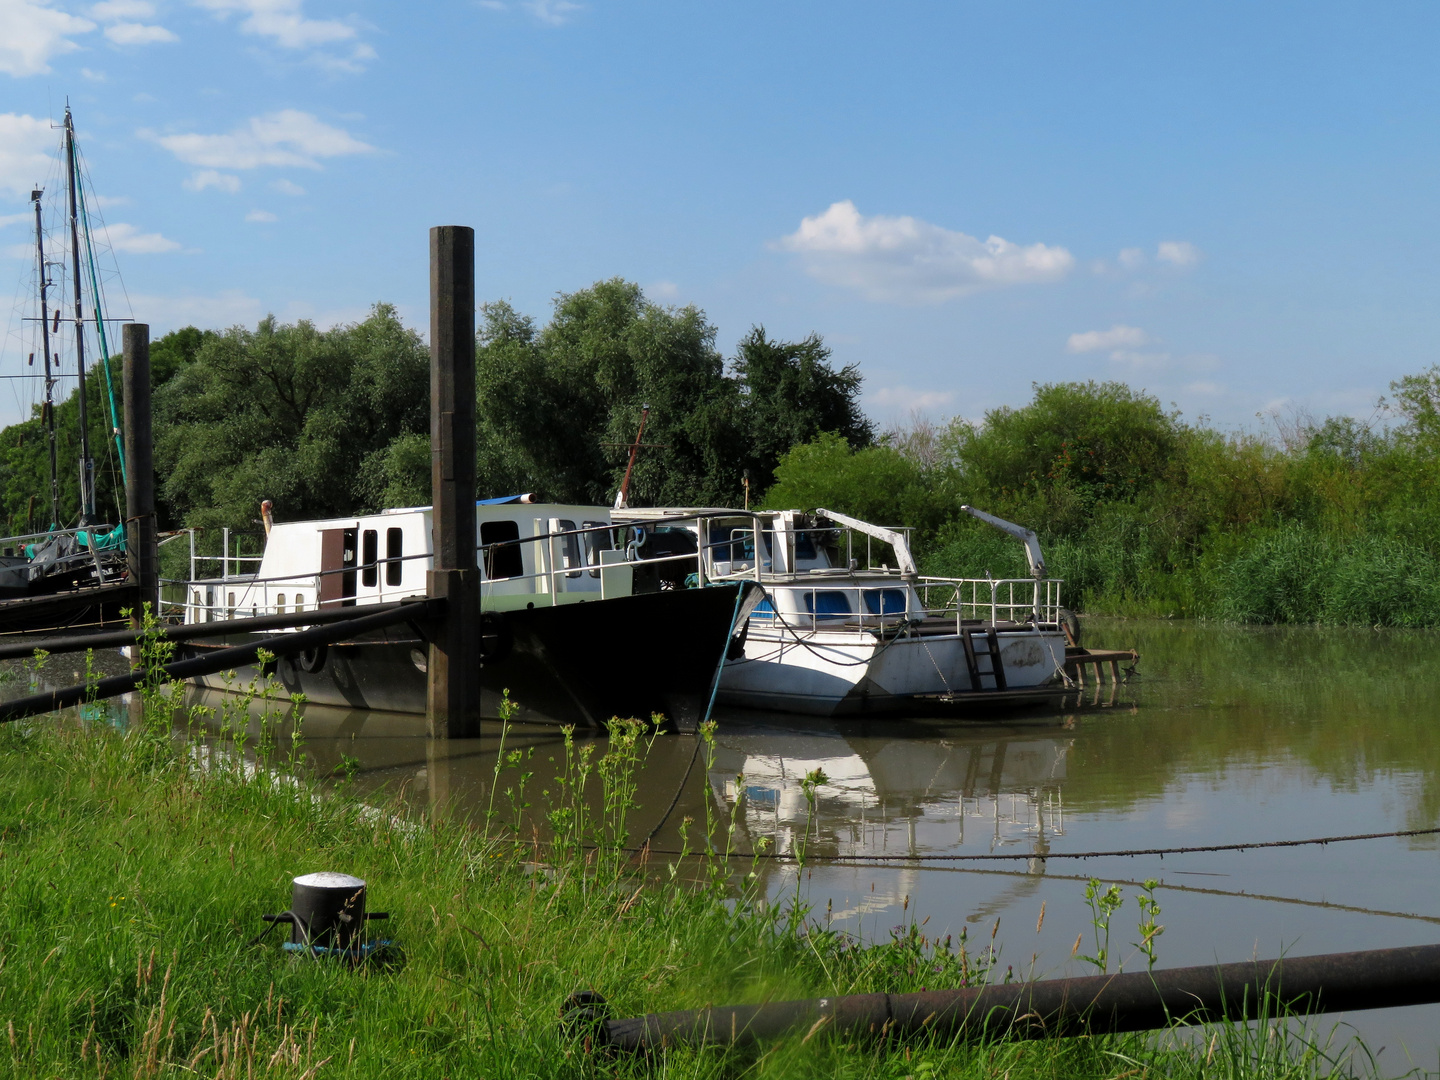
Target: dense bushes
{"points": [[1335, 521]]}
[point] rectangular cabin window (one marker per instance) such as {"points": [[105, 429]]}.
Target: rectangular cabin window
{"points": [[828, 604], [369, 558], [280, 604], [231, 606], [596, 542], [394, 552], [299, 602], [570, 549], [502, 553], [885, 601]]}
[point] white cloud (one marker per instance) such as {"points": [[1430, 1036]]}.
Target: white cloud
{"points": [[1178, 252], [260, 217], [208, 178], [1118, 336], [552, 12], [906, 260], [666, 290], [904, 398], [1130, 258], [127, 33], [26, 144], [492, 5], [131, 241], [1210, 388], [283, 21], [287, 187], [93, 76], [289, 138], [33, 33], [15, 219]]}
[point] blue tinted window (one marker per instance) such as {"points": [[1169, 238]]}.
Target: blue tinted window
{"points": [[885, 601], [804, 546], [829, 602], [764, 609]]}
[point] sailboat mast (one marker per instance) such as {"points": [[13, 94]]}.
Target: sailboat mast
{"points": [[48, 416], [87, 464]]}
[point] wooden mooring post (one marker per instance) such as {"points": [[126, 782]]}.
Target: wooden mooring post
{"points": [[452, 706], [140, 539]]}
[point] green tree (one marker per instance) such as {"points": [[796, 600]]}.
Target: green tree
{"points": [[25, 455], [876, 483], [290, 413], [791, 394]]}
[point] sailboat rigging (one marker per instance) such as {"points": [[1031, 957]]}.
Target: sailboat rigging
{"points": [[89, 553], [48, 410]]}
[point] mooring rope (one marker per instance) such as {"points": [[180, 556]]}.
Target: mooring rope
{"points": [[1127, 853]]}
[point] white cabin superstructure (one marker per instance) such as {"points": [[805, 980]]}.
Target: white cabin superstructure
{"points": [[530, 555]]}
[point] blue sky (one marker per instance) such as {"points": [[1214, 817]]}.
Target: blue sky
{"points": [[1232, 206]]}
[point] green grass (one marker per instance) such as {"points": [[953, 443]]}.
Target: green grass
{"points": [[134, 867]]}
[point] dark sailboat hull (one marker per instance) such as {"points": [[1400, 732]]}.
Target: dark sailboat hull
{"points": [[582, 663]]}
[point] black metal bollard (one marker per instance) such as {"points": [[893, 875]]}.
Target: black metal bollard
{"points": [[327, 914]]}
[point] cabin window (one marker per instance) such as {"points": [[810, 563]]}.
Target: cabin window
{"points": [[394, 552], [369, 557], [570, 549], [885, 601], [804, 545], [231, 606], [280, 604], [596, 542], [828, 603], [765, 609], [498, 540], [299, 602]]}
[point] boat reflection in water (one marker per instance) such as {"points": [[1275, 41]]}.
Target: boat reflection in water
{"points": [[930, 790], [915, 788]]}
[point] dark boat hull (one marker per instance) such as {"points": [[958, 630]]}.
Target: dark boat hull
{"points": [[581, 663]]}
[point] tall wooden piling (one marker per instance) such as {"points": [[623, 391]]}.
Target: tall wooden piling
{"points": [[452, 707], [140, 539]]}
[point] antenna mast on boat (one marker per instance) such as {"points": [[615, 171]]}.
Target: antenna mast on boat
{"points": [[87, 463], [48, 415]]}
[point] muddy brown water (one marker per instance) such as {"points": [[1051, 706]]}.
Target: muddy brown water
{"points": [[1229, 735]]}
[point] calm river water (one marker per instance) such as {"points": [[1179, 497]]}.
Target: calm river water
{"points": [[1228, 735]]}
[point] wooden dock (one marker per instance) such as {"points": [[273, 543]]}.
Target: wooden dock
{"points": [[1077, 659]]}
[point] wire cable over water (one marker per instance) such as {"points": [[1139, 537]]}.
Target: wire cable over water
{"points": [[1126, 853]]}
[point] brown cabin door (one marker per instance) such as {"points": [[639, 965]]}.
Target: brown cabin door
{"points": [[337, 553]]}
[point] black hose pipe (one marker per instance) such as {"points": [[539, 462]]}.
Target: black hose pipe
{"points": [[220, 660], [1136, 1001]]}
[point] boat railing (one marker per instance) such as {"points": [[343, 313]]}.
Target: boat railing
{"points": [[992, 599]]}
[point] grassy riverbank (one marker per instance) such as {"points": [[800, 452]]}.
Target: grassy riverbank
{"points": [[134, 869]]}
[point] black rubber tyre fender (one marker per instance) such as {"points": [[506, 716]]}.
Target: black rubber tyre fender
{"points": [[312, 660]]}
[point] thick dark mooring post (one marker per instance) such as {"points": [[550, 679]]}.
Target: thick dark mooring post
{"points": [[139, 469], [453, 699]]}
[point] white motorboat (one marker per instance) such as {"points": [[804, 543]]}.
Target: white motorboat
{"points": [[848, 626]]}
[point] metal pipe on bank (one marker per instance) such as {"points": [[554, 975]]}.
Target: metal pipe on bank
{"points": [[1091, 1005]]}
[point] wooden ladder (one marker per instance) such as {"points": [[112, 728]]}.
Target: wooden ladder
{"points": [[972, 658]]}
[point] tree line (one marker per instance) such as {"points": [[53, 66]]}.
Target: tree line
{"points": [[1318, 520], [328, 423]]}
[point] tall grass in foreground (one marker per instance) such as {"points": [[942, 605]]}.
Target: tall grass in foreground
{"points": [[134, 866]]}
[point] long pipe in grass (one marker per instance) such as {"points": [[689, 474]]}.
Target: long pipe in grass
{"points": [[221, 659], [1096, 1004]]}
